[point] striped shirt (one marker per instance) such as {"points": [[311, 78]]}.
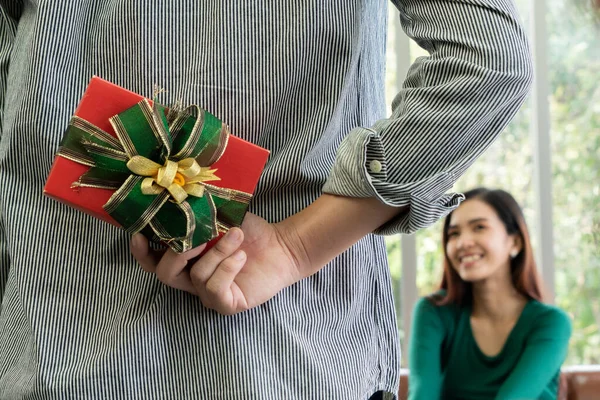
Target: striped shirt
{"points": [[304, 79]]}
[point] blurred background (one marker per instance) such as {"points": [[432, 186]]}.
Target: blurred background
{"points": [[548, 158]]}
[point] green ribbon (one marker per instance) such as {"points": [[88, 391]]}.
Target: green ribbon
{"points": [[151, 132]]}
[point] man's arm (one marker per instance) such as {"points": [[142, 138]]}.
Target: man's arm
{"points": [[249, 266], [331, 225], [453, 105]]}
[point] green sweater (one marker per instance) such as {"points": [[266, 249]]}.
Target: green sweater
{"points": [[446, 363]]}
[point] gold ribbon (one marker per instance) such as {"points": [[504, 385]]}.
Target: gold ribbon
{"points": [[180, 178]]}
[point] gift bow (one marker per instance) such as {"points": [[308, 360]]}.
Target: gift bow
{"points": [[159, 166], [181, 178]]}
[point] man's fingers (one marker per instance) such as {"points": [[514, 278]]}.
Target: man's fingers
{"points": [[172, 271], [145, 256], [223, 277], [206, 266], [169, 267], [221, 292]]}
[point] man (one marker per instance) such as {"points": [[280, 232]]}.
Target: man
{"points": [[80, 319]]}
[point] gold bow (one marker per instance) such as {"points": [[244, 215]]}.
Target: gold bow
{"points": [[180, 178]]}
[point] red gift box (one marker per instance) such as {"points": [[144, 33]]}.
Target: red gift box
{"points": [[239, 167]]}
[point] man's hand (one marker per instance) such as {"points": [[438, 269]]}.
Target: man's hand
{"points": [[244, 269], [248, 266]]}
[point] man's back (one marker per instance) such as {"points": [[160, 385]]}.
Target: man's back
{"points": [[79, 318]]}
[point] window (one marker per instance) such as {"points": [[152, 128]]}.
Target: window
{"points": [[573, 79]]}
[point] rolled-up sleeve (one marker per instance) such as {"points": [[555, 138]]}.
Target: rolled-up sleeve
{"points": [[453, 105]]}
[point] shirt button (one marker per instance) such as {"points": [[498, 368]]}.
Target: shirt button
{"points": [[375, 166]]}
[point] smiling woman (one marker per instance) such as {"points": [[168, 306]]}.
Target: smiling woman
{"points": [[486, 333], [486, 242]]}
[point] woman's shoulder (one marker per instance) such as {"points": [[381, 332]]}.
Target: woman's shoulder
{"points": [[542, 317]]}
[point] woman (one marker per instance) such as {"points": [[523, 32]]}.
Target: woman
{"points": [[486, 334]]}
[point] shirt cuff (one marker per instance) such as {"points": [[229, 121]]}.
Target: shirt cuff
{"points": [[360, 170]]}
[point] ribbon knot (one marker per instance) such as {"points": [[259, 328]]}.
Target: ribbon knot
{"points": [[180, 178]]}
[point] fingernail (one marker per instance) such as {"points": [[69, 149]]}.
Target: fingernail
{"points": [[239, 255], [136, 241], [233, 235]]}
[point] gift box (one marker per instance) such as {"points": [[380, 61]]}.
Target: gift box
{"points": [[175, 174]]}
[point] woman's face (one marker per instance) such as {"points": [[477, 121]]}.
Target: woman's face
{"points": [[478, 245]]}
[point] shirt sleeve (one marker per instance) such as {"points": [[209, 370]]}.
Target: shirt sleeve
{"points": [[4, 260], [452, 106], [9, 14], [427, 336], [10, 11], [544, 352]]}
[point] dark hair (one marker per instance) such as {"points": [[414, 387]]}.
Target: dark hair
{"points": [[523, 268]]}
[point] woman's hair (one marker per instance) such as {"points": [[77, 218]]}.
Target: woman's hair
{"points": [[523, 268]]}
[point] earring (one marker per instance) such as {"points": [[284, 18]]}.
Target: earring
{"points": [[514, 253]]}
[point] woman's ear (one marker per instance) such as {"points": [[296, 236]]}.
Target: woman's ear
{"points": [[517, 245]]}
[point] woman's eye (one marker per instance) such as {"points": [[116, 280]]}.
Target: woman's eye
{"points": [[452, 234], [479, 227]]}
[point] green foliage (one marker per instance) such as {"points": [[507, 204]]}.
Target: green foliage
{"points": [[574, 68]]}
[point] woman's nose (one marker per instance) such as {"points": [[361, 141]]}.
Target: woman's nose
{"points": [[464, 241]]}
